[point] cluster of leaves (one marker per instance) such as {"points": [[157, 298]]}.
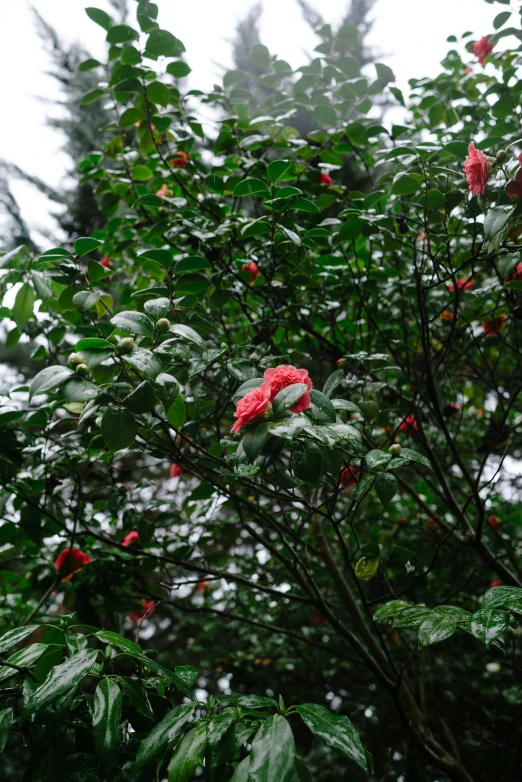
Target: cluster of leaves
{"points": [[225, 254]]}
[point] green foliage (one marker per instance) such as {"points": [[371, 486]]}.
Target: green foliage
{"points": [[369, 478]]}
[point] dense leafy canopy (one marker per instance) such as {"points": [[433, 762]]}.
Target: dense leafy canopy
{"points": [[167, 581]]}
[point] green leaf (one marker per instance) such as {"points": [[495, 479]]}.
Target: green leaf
{"points": [[130, 117], [386, 487], [277, 168], [254, 438], [162, 734], [142, 173], [321, 410], [260, 56], [273, 752], [377, 458], [366, 568], [178, 69], [457, 148], [23, 306], [362, 487], [61, 680], [177, 414], [86, 245], [191, 284], [288, 397], [495, 221], [141, 400], [14, 637], [188, 333], [193, 263], [93, 343], [435, 199], [415, 457], [106, 718], [405, 184], [436, 627], [336, 731], [24, 658], [134, 323], [234, 77], [488, 624], [14, 253], [84, 300], [307, 463], [118, 428], [114, 639], [6, 722], [501, 19], [99, 16], [411, 616], [88, 65], [250, 187], [157, 308], [387, 610], [189, 754], [351, 229], [163, 257], [92, 96], [384, 72], [167, 388], [161, 43], [137, 696], [121, 33], [47, 379]]}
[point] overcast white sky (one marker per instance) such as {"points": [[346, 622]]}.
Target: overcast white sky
{"points": [[409, 34]]}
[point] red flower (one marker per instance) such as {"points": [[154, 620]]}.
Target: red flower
{"points": [[447, 315], [130, 538], [349, 478], [493, 522], [204, 587], [164, 192], [147, 609], [482, 48], [476, 169], [340, 362], [431, 530], [495, 584], [463, 284], [409, 425], [180, 160], [105, 261], [286, 375], [70, 561], [324, 179], [480, 412], [318, 620], [492, 327], [253, 270], [175, 470], [252, 406]]}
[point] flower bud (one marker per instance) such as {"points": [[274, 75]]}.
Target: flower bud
{"points": [[82, 369], [501, 155], [395, 449], [254, 358], [75, 359], [370, 410], [163, 325], [98, 421], [126, 345]]}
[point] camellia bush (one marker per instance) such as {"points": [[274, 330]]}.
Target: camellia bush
{"points": [[260, 496]]}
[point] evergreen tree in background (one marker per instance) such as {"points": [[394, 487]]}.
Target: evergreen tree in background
{"points": [[77, 213]]}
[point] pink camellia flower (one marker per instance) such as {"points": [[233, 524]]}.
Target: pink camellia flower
{"points": [[482, 48], [164, 192], [252, 406], [492, 327], [70, 561], [146, 610], [204, 586], [495, 584], [493, 522], [409, 425], [477, 169], [451, 409], [105, 261], [349, 478], [286, 375], [463, 284], [131, 537], [324, 179], [253, 269], [340, 362], [175, 470], [468, 70]]}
